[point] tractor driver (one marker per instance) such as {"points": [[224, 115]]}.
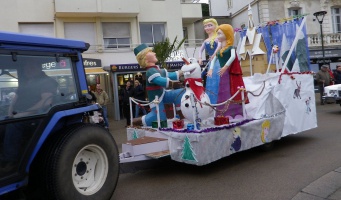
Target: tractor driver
{"points": [[33, 96]]}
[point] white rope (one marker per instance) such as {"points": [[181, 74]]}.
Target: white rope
{"points": [[140, 101], [222, 103], [256, 89], [137, 101]]}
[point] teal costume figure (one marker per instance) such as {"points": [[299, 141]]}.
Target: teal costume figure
{"points": [[157, 80]]}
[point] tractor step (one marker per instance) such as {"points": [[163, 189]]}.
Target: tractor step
{"points": [[144, 148]]}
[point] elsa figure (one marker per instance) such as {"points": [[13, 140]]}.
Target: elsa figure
{"points": [[211, 46]]}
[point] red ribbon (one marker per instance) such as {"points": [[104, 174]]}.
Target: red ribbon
{"points": [[291, 74]]}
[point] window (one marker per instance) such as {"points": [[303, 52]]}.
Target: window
{"points": [[44, 29], [152, 33], [229, 4], [294, 11], [30, 86], [116, 35], [81, 31], [23, 77], [336, 19]]}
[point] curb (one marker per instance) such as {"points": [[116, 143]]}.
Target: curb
{"points": [[326, 187]]}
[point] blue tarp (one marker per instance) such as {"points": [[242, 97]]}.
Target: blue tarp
{"points": [[273, 35]]}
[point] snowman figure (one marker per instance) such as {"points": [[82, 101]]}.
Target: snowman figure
{"points": [[193, 85]]}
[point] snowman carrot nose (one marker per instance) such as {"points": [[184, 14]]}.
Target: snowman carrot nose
{"points": [[186, 61]]}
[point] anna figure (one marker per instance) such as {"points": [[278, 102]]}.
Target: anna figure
{"points": [[211, 45], [230, 72]]}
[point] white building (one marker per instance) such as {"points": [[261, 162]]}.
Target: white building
{"points": [[112, 27], [269, 10]]}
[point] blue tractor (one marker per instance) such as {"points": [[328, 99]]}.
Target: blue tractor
{"points": [[47, 148]]}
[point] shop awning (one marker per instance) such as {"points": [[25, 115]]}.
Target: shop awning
{"points": [[95, 70]]}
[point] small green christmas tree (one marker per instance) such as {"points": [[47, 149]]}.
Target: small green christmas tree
{"points": [[187, 151], [135, 135]]}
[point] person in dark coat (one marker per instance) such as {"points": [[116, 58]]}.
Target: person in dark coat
{"points": [[323, 79], [127, 92], [140, 95], [337, 74]]}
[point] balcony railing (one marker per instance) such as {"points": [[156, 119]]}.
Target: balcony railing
{"points": [[332, 39]]}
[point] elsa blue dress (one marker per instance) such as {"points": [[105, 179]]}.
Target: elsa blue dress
{"points": [[212, 83]]}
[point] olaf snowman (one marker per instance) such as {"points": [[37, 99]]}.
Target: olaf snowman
{"points": [[193, 85]]}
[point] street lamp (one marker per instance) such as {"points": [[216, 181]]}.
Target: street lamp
{"points": [[319, 16]]}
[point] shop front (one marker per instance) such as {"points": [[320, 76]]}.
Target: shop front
{"points": [[122, 73], [332, 57], [96, 75]]}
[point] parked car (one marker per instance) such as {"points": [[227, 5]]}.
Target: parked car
{"points": [[332, 93]]}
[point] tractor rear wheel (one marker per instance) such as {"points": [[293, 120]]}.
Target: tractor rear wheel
{"points": [[81, 164]]}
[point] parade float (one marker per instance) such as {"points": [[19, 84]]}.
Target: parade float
{"points": [[281, 102]]}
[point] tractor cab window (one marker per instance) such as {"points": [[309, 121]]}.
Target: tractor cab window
{"points": [[30, 86]]}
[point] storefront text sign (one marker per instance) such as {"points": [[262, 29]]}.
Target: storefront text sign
{"points": [[136, 67], [54, 65], [90, 62], [62, 64], [327, 53]]}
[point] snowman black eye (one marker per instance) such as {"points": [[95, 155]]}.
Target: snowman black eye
{"points": [[186, 105]]}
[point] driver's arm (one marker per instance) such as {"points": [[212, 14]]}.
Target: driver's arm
{"points": [[46, 99], [10, 109]]}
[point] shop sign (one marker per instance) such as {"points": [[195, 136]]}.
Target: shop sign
{"points": [[54, 65], [323, 61], [136, 67], [327, 53], [89, 62], [327, 60], [62, 64]]}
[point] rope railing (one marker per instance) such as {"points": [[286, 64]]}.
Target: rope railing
{"points": [[155, 101], [230, 100], [213, 106]]}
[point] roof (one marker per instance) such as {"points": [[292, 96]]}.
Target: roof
{"points": [[41, 41]]}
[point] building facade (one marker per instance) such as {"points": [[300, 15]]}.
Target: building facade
{"points": [[270, 10], [113, 28]]}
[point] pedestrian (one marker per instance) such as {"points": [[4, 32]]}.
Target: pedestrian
{"points": [[93, 97], [323, 79], [126, 93], [140, 95], [331, 76], [337, 74], [102, 99]]}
